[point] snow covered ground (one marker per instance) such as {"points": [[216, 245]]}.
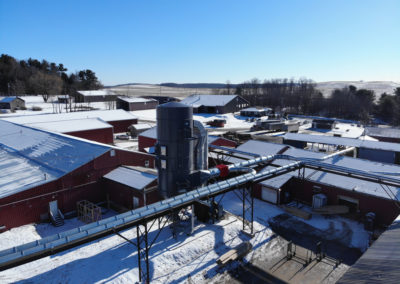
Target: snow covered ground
{"points": [[52, 106], [114, 260]]}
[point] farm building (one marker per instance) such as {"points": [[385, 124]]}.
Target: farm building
{"points": [[360, 196], [95, 96], [215, 103], [131, 187], [148, 139], [255, 112], [38, 167], [384, 134], [384, 152], [93, 129], [162, 99], [119, 119], [11, 103], [132, 104], [136, 129]]}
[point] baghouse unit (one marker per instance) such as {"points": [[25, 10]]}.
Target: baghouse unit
{"points": [[181, 149]]}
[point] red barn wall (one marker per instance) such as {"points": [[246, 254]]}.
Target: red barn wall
{"points": [[122, 125], [123, 195], [83, 183], [104, 135], [385, 209], [145, 142]]}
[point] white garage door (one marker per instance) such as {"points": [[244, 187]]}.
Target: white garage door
{"points": [[269, 195]]}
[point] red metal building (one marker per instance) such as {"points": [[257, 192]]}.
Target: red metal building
{"points": [[55, 167]]}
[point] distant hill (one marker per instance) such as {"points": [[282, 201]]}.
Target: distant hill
{"points": [[198, 85]]}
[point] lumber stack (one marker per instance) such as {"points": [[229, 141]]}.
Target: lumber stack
{"points": [[234, 254], [298, 212]]}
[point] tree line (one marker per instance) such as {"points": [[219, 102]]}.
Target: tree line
{"points": [[44, 78], [302, 97]]}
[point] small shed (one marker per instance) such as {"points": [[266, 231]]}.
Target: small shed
{"points": [[136, 129], [12, 103], [132, 104], [131, 187]]}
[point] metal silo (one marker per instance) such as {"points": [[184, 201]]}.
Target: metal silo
{"points": [[174, 147]]}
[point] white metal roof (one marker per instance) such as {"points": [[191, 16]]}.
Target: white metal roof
{"points": [[73, 125], [105, 115], [208, 100], [151, 133], [30, 157], [142, 126], [130, 177], [331, 140]]}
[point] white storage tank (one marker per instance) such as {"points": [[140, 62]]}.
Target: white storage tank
{"points": [[319, 200]]}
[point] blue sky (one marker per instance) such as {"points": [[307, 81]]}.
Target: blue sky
{"points": [[208, 41]]}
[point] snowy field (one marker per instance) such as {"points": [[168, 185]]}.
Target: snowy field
{"points": [[185, 259]]}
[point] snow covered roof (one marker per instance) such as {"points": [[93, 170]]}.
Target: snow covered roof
{"points": [[353, 184], [130, 177], [105, 115], [30, 157], [152, 133], [332, 140], [96, 93], [142, 126], [136, 100], [73, 125], [276, 182], [8, 99], [208, 100], [383, 132]]}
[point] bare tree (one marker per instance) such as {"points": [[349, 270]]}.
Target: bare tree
{"points": [[46, 84]]}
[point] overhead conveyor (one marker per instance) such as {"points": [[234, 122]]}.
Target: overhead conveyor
{"points": [[50, 245]]}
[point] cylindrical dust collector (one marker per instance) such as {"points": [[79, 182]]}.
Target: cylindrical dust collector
{"points": [[174, 147]]}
